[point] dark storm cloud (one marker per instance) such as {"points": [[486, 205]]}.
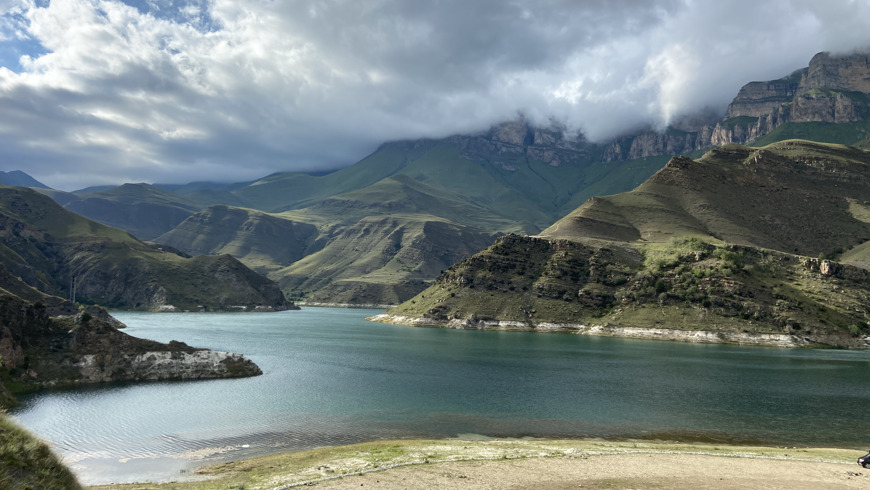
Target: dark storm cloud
{"points": [[175, 91]]}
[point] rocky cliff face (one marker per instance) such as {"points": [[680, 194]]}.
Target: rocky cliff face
{"points": [[757, 99], [549, 145], [832, 89], [850, 73]]}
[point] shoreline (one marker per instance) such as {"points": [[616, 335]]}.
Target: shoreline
{"points": [[478, 462], [361, 306], [641, 333]]}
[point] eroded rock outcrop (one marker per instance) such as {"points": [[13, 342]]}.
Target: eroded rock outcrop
{"points": [[163, 365]]}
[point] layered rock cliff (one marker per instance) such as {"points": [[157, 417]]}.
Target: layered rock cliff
{"points": [[553, 146], [832, 89]]}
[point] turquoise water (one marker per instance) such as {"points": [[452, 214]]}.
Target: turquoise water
{"points": [[333, 378]]}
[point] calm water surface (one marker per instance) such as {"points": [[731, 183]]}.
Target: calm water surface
{"points": [[333, 378]]}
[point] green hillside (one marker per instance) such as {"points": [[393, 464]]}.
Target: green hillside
{"points": [[737, 243], [49, 247], [843, 133]]}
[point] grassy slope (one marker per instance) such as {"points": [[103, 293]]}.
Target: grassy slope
{"points": [[515, 188], [430, 182], [401, 194], [286, 191], [843, 134], [494, 192], [791, 196]]}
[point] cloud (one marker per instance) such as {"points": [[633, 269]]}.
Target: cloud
{"points": [[173, 91]]}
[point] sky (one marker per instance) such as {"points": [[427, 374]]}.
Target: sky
{"points": [[98, 92]]}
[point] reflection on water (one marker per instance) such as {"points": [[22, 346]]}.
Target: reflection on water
{"points": [[332, 378]]}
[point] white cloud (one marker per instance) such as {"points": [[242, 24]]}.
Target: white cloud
{"points": [[165, 91]]}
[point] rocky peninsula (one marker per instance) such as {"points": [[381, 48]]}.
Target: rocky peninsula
{"points": [[43, 349]]}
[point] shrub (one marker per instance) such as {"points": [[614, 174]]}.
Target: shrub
{"points": [[661, 286]]}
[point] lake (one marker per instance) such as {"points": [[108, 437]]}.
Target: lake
{"points": [[332, 378]]}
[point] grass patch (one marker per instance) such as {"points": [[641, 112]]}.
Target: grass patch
{"points": [[844, 133], [27, 463]]}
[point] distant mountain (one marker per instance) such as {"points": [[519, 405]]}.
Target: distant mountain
{"points": [[374, 246], [265, 242], [55, 250], [21, 179], [141, 209], [748, 245]]}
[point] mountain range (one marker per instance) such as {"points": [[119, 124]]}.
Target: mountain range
{"points": [[381, 230], [765, 245]]}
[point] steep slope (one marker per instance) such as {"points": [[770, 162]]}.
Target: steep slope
{"points": [[513, 178], [205, 194], [55, 250], [514, 170], [379, 243], [401, 194], [791, 196], [141, 209], [719, 249]]}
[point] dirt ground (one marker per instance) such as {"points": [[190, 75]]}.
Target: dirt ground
{"points": [[534, 463], [624, 471]]}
